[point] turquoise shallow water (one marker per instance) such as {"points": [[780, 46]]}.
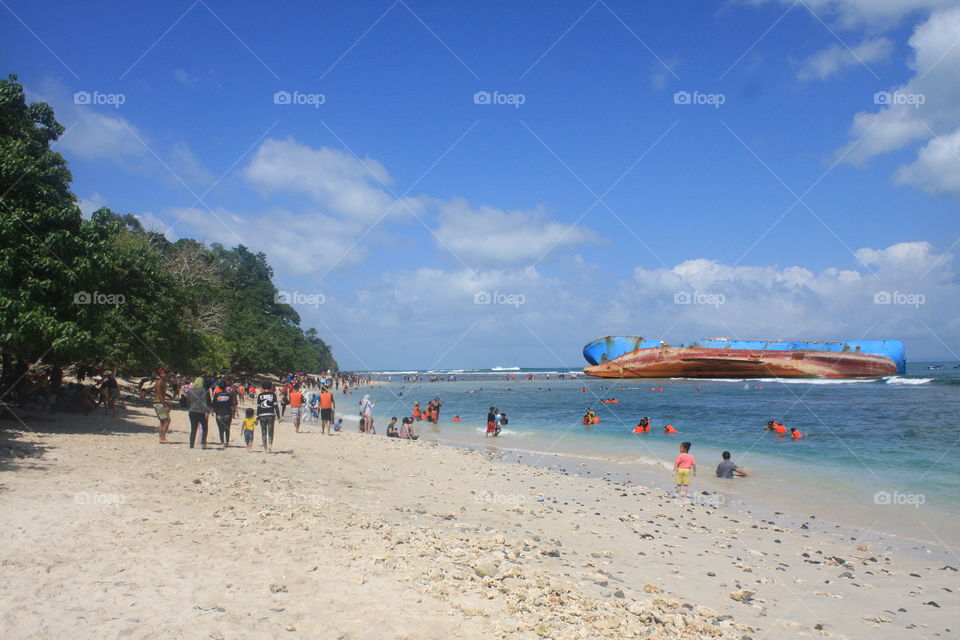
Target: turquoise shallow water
{"points": [[878, 453]]}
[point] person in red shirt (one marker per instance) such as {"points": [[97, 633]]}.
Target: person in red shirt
{"points": [[296, 406], [683, 467], [796, 435], [669, 429]]}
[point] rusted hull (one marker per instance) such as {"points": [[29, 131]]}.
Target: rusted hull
{"points": [[684, 362]]}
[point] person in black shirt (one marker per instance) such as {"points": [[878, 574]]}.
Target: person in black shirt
{"points": [[224, 405], [268, 410]]}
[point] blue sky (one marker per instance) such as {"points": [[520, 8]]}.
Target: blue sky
{"points": [[789, 196]]}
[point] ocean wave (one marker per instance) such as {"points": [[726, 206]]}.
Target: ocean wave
{"points": [[816, 380], [901, 380], [504, 368], [509, 432]]}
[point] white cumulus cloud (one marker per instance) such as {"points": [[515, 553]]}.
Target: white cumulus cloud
{"points": [[837, 58], [925, 108], [487, 236]]}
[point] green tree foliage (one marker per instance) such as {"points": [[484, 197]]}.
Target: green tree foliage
{"points": [[45, 254], [106, 290]]}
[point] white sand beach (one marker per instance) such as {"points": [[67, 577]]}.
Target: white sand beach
{"points": [[106, 533]]}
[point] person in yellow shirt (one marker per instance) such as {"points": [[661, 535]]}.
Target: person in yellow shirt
{"points": [[249, 424]]}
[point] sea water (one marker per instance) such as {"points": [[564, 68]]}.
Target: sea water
{"points": [[879, 453]]}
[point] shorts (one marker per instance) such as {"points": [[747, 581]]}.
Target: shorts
{"points": [[682, 477], [295, 412], [491, 427], [326, 414], [162, 412], [248, 435]]}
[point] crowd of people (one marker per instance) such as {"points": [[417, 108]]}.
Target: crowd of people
{"points": [[308, 398]]}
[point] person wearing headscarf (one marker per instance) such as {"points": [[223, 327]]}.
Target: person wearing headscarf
{"points": [[366, 414], [198, 408]]}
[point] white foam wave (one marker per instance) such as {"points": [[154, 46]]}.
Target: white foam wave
{"points": [[509, 432], [816, 380], [908, 381], [504, 368]]}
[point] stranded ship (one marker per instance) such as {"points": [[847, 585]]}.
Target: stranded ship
{"points": [[634, 357]]}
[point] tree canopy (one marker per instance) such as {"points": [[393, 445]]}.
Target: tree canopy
{"points": [[105, 290]]}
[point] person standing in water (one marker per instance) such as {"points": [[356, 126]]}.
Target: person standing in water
{"points": [[366, 414]]}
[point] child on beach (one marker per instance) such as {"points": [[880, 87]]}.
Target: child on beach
{"points": [[683, 467], [339, 425], [249, 424]]}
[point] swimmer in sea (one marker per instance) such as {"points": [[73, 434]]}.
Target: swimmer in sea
{"points": [[796, 435]]}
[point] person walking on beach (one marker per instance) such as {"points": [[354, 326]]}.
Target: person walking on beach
{"points": [[296, 406], [160, 405], [198, 409], [327, 405], [268, 410], [726, 468], [224, 405], [683, 467], [249, 424], [366, 414]]}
